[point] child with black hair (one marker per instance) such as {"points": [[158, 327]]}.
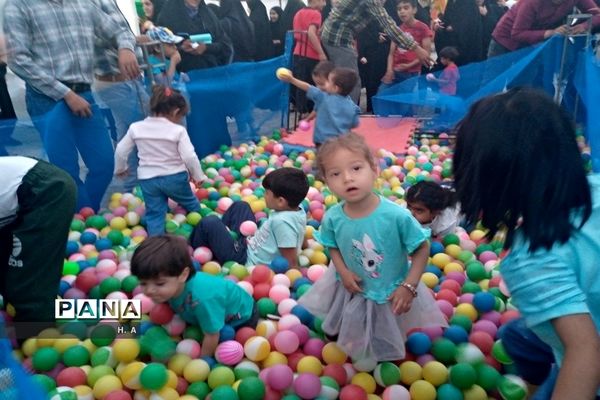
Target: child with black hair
{"points": [[336, 112], [320, 76], [434, 206], [282, 234], [164, 267], [450, 75], [517, 167], [167, 157]]}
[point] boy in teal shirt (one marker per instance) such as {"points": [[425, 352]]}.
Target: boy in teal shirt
{"points": [[164, 268]]}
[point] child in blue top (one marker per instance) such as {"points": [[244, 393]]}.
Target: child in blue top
{"points": [[336, 112], [164, 268], [517, 167], [376, 296]]}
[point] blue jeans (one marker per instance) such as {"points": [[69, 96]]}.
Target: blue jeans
{"points": [[157, 192], [66, 136], [128, 103]]}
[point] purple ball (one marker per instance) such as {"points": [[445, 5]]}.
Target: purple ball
{"points": [[280, 377], [314, 347], [485, 326], [307, 386]]}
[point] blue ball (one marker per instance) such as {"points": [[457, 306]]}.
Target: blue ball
{"points": [[280, 265], [83, 264], [449, 392], [72, 247], [484, 301], [64, 286], [144, 326], [88, 237], [303, 314], [457, 334], [301, 281], [314, 223], [434, 270], [226, 333], [418, 343], [214, 195], [436, 247], [103, 244], [260, 171], [210, 361]]}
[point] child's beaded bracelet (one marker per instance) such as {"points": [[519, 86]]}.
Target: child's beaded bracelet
{"points": [[411, 288]]}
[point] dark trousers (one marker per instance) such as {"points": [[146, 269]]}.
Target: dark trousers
{"points": [[214, 233], [32, 248], [303, 67]]}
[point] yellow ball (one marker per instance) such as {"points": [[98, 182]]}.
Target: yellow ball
{"points": [[29, 346], [293, 274], [257, 348], [333, 354], [64, 342], [435, 373], [47, 337], [467, 310], [440, 260], [282, 73], [266, 328], [212, 268], [258, 205], [309, 231], [171, 379], [118, 223], [371, 396], [178, 362], [166, 393], [318, 257], [484, 284], [196, 371], [477, 235], [422, 390], [105, 385], [310, 364], [188, 397], [365, 381], [453, 267], [126, 350], [453, 250], [84, 392], [475, 392], [274, 358], [91, 347], [430, 279], [410, 372]]}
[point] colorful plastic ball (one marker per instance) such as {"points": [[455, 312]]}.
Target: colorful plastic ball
{"points": [[62, 393], [482, 340], [330, 389], [245, 369], [310, 364], [261, 274], [484, 301], [223, 393], [422, 390], [45, 358], [280, 265], [286, 342], [154, 376], [410, 372], [467, 310], [189, 347], [487, 376], [315, 272], [307, 386], [337, 372], [266, 328], [251, 389], [161, 314], [418, 343], [353, 392], [196, 371], [126, 350], [435, 373], [257, 348], [500, 354], [386, 374], [221, 376], [105, 385], [277, 293], [212, 268], [202, 254], [333, 354], [288, 321], [463, 375], [280, 377], [395, 392], [512, 387], [71, 376], [229, 352], [304, 125], [248, 228], [449, 392]]}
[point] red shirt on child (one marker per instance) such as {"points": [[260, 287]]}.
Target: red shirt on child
{"points": [[418, 31], [302, 20], [450, 74]]}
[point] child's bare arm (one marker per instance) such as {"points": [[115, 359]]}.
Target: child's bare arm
{"points": [[294, 81], [209, 344], [350, 280], [404, 294], [290, 254]]}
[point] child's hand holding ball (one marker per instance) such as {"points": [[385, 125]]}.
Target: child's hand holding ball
{"points": [[284, 74], [430, 77]]}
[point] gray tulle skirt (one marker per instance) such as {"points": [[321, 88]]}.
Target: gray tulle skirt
{"points": [[365, 329]]}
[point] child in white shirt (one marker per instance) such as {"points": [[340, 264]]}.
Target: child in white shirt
{"points": [[434, 206], [166, 156]]}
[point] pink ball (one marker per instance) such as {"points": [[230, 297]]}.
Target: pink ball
{"points": [[395, 392], [457, 276], [486, 326], [189, 347], [72, 376], [315, 272], [108, 254], [487, 255], [285, 306], [304, 125], [286, 342], [281, 279], [493, 316], [229, 352], [277, 293], [202, 254], [280, 377], [176, 326], [433, 332], [106, 266], [147, 303], [314, 347], [247, 286], [287, 321], [248, 228], [466, 298], [74, 293], [424, 359], [445, 307], [117, 296], [307, 386], [224, 203]]}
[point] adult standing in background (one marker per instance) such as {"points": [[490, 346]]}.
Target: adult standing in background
{"points": [[278, 31], [262, 29], [350, 17], [239, 28], [461, 28], [51, 47], [151, 9], [289, 12]]}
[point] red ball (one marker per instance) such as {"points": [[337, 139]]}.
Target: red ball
{"points": [[448, 295], [261, 274], [261, 290], [508, 316], [271, 394], [336, 372], [118, 395], [243, 334], [86, 212], [353, 392], [452, 285], [85, 281], [202, 194], [182, 385], [71, 376], [495, 281], [161, 314], [317, 214], [482, 340], [294, 359]]}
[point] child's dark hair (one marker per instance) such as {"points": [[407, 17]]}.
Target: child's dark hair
{"points": [[163, 255], [432, 195], [323, 69], [345, 79], [449, 52], [413, 3], [289, 183], [165, 100], [350, 141], [517, 157]]}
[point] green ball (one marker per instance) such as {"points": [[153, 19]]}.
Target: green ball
{"points": [[96, 221], [462, 320], [221, 376], [76, 356], [487, 377], [108, 285], [198, 389], [476, 271], [97, 373], [70, 268], [76, 328], [444, 350], [463, 375], [266, 306], [193, 332], [224, 393], [115, 236], [500, 354], [45, 382], [129, 283], [465, 256], [303, 289], [103, 356], [318, 325], [451, 238], [162, 350], [193, 218], [103, 335], [511, 387], [154, 376], [471, 287], [251, 389], [483, 247], [77, 225], [291, 397], [95, 293], [45, 358], [449, 392], [386, 374]]}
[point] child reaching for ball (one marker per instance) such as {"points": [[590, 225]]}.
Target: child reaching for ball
{"points": [[164, 267], [517, 167], [336, 112], [372, 297], [167, 157], [282, 234], [434, 206]]}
